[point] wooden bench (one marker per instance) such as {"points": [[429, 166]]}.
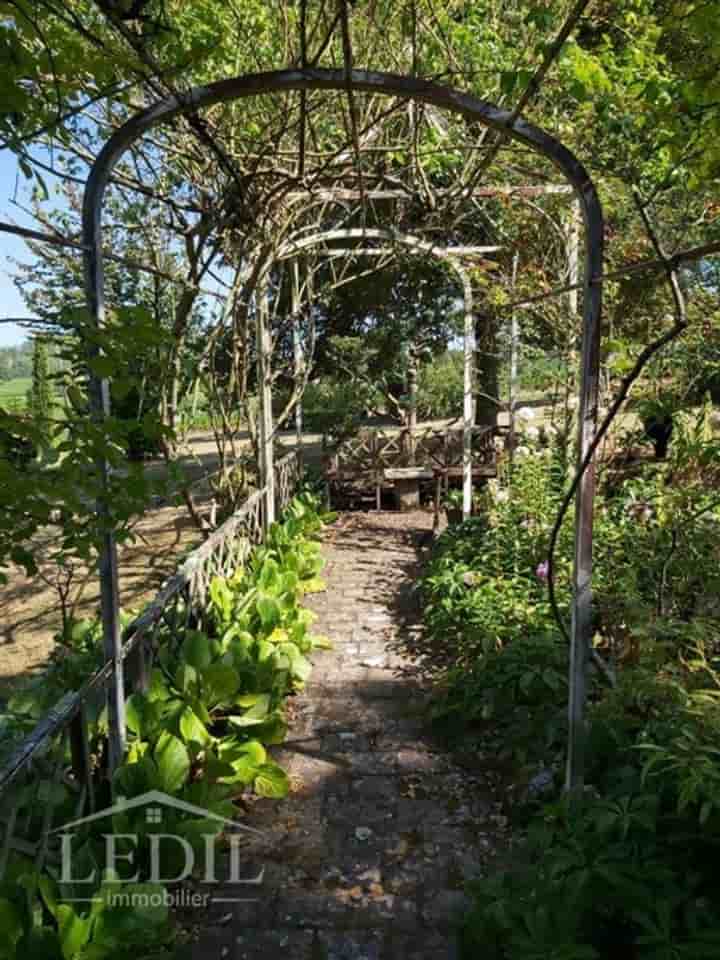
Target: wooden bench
{"points": [[359, 469]]}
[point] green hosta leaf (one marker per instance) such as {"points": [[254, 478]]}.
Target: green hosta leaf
{"points": [[173, 762], [221, 598], [158, 686], [255, 751], [265, 649], [73, 931], [272, 781], [239, 647], [299, 666], [196, 650], [290, 582], [251, 752], [320, 642], [244, 770], [143, 715], [273, 730], [258, 706], [313, 585], [186, 678], [269, 611], [216, 766], [134, 778], [221, 683], [269, 578], [192, 728], [250, 699]]}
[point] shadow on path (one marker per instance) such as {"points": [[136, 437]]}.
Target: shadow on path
{"points": [[368, 857]]}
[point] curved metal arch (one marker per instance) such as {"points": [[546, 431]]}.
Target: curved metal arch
{"points": [[474, 109], [295, 244]]}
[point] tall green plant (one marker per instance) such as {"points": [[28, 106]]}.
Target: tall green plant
{"points": [[41, 400]]}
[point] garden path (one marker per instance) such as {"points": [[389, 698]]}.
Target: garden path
{"points": [[367, 858]]}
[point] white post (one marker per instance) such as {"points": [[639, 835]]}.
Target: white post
{"points": [[573, 257], [264, 350], [297, 355], [573, 249], [468, 400], [514, 345]]}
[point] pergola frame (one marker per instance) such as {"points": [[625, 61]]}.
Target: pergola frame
{"points": [[450, 255], [508, 124]]}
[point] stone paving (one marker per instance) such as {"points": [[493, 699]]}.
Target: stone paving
{"points": [[367, 858]]}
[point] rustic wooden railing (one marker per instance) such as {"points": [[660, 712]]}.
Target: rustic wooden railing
{"points": [[367, 455], [50, 776]]}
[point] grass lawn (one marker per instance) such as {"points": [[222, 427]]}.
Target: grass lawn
{"points": [[13, 392]]}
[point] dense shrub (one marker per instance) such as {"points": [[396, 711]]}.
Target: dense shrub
{"points": [[628, 869]]}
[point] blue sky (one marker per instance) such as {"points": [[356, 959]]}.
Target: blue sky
{"points": [[13, 189], [11, 304]]}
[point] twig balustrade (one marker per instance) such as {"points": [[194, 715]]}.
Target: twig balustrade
{"points": [[64, 756], [375, 460]]}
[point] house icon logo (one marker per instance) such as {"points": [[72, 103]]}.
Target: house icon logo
{"points": [[158, 839]]}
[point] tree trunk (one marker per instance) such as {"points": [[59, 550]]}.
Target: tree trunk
{"points": [[486, 371]]}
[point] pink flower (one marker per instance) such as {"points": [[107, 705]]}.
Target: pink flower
{"points": [[542, 570]]}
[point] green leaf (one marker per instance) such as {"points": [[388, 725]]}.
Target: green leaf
{"points": [[272, 781], [173, 762], [142, 715], [268, 610], [192, 729], [221, 683], [244, 771], [196, 650], [186, 678], [73, 931], [256, 713]]}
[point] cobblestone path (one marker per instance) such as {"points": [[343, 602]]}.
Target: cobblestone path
{"points": [[366, 860]]}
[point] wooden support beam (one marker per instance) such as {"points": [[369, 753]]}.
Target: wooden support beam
{"points": [[392, 251], [489, 191], [297, 245], [264, 377], [298, 372], [468, 404]]}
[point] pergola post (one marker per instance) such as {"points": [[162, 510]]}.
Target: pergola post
{"points": [[581, 630], [468, 404], [264, 378], [297, 357], [513, 386], [99, 399]]}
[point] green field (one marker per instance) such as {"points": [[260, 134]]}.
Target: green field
{"points": [[13, 392]]}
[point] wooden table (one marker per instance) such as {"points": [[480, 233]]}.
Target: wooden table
{"points": [[406, 485]]}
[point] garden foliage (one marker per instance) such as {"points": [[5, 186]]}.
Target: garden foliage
{"points": [[628, 870], [215, 704]]}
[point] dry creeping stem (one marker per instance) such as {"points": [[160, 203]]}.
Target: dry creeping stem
{"points": [[625, 385]]}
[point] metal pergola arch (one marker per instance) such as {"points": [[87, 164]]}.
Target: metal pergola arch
{"points": [[506, 123], [292, 246]]}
